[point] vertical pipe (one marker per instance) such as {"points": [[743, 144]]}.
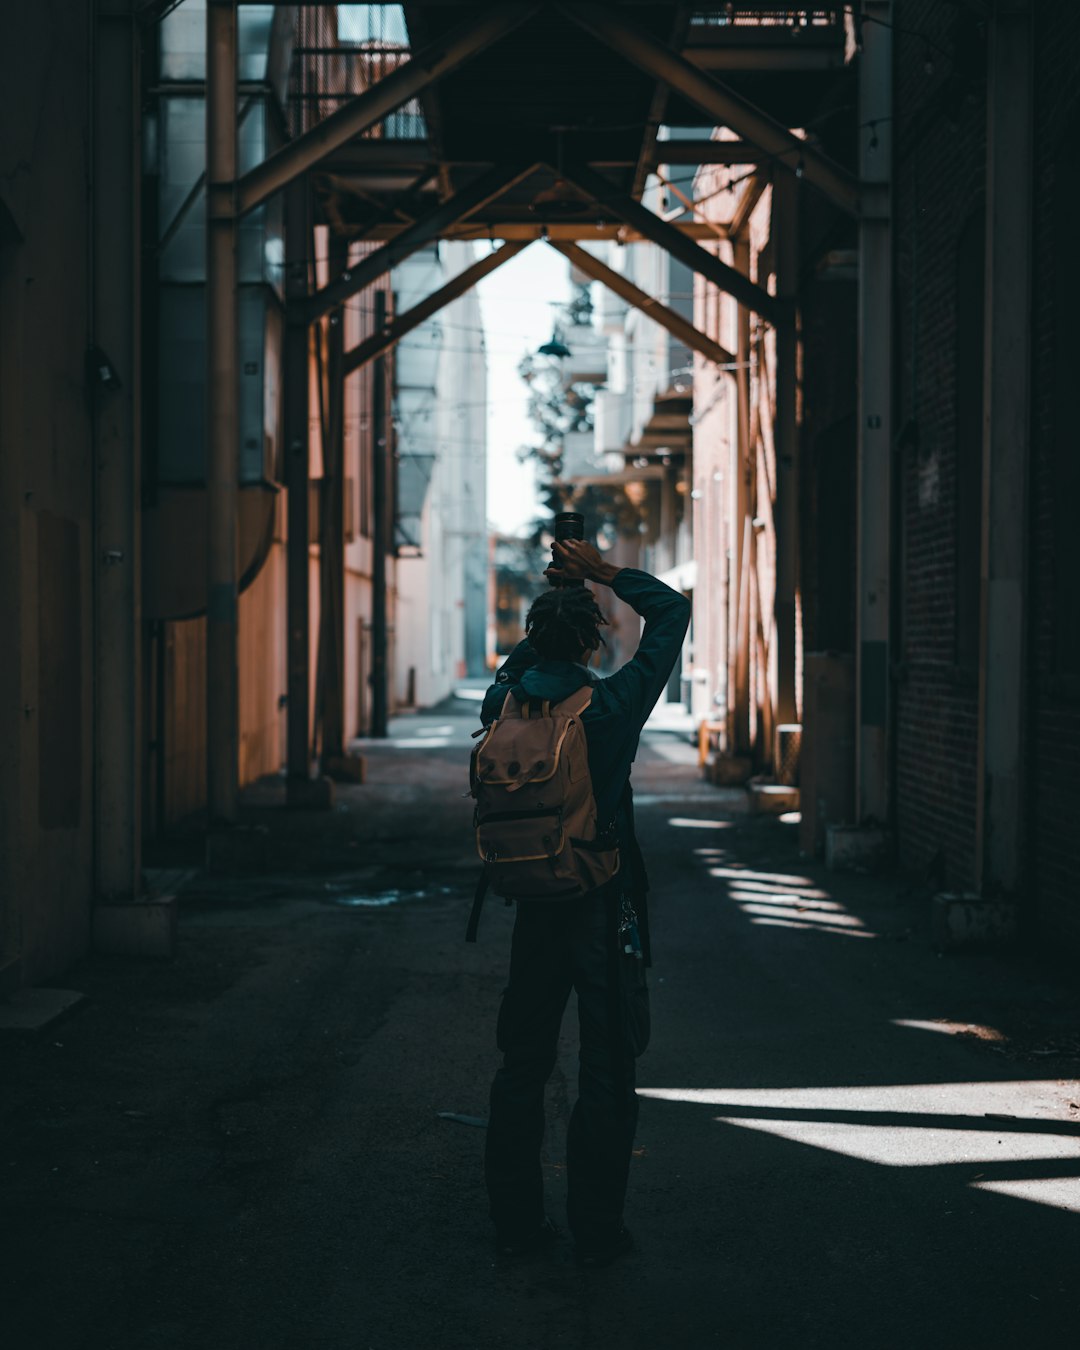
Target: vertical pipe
{"points": [[1006, 454], [381, 542], [873, 694], [739, 700], [332, 527], [785, 207], [296, 362], [222, 414]]}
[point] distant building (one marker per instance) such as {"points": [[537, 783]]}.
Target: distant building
{"points": [[441, 443]]}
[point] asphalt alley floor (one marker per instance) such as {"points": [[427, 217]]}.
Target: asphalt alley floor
{"points": [[845, 1139]]}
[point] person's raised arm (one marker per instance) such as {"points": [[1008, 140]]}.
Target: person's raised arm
{"points": [[639, 683]]}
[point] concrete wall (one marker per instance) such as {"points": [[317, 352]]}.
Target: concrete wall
{"points": [[46, 493]]}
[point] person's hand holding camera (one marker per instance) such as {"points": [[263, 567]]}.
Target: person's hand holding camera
{"points": [[579, 561]]}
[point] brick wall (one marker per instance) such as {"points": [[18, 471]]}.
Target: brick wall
{"points": [[1053, 732], [940, 153]]}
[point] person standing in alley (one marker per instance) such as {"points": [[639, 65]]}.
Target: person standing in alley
{"points": [[597, 942]]}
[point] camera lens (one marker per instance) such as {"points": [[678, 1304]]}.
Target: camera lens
{"points": [[569, 525]]}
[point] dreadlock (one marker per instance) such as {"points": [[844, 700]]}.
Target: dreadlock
{"points": [[564, 622]]}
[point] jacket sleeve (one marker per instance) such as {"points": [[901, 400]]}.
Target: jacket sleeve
{"points": [[509, 673], [638, 685]]}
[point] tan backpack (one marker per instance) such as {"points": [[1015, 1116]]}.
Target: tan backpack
{"points": [[536, 825]]}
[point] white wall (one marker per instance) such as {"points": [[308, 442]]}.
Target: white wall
{"points": [[441, 411]]}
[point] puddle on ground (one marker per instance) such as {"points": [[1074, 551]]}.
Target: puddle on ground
{"points": [[383, 899]]}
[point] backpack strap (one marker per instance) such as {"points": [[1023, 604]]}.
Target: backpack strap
{"points": [[578, 701], [510, 707], [477, 906]]}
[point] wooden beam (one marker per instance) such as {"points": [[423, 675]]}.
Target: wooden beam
{"points": [[383, 98], [676, 325], [670, 238], [723, 105], [430, 226], [381, 341]]}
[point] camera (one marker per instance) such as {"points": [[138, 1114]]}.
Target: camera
{"points": [[568, 525]]}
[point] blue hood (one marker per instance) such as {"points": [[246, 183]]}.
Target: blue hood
{"points": [[554, 680]]}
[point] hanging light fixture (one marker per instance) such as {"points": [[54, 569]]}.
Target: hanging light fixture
{"points": [[555, 347]]}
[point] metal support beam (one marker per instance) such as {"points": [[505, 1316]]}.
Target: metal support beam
{"points": [[332, 530], [296, 368], [706, 152], [222, 415], [722, 104], [873, 685], [673, 241], [497, 225], [785, 222], [383, 98], [470, 199], [382, 340], [657, 107], [118, 453], [1006, 451], [676, 325], [382, 542]]}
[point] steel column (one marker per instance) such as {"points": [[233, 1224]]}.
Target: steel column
{"points": [[222, 414], [383, 98], [671, 239], [667, 318], [296, 367], [382, 340], [722, 104], [382, 541], [1006, 451], [785, 222], [118, 446], [355, 278], [873, 687]]}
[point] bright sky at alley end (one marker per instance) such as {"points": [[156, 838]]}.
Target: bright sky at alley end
{"points": [[518, 303]]}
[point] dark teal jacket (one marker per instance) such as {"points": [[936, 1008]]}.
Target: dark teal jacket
{"points": [[621, 703]]}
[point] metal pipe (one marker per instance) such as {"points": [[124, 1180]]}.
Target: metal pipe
{"points": [[382, 541], [222, 415], [383, 98], [785, 220], [739, 697]]}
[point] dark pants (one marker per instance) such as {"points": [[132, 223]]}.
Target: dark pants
{"points": [[558, 947]]}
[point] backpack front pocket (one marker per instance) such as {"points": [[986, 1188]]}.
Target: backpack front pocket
{"points": [[527, 853]]}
